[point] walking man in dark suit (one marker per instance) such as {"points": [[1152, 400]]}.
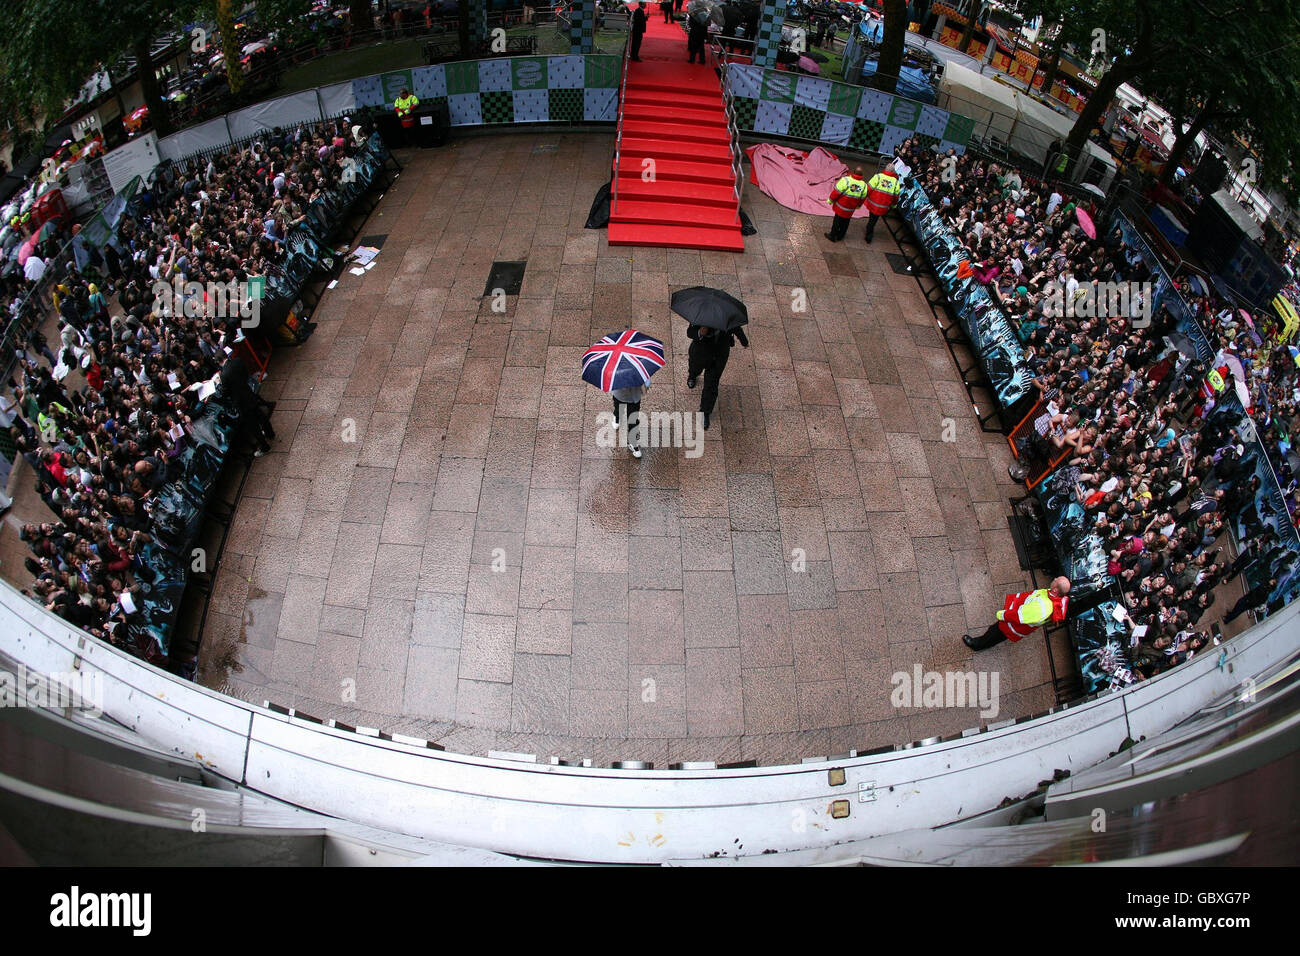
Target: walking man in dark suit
{"points": [[710, 349], [638, 31]]}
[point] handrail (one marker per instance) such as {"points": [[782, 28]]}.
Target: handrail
{"points": [[618, 136], [720, 61]]}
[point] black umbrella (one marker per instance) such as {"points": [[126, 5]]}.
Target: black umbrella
{"points": [[711, 308]]}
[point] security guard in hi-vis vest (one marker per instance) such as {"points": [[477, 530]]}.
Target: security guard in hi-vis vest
{"points": [[405, 107], [1022, 614], [849, 193], [881, 193]]}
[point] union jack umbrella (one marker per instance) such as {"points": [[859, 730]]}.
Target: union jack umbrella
{"points": [[624, 359]]}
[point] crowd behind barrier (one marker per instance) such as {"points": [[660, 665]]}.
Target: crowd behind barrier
{"points": [[1149, 458], [129, 423], [1226, 331], [990, 334]]}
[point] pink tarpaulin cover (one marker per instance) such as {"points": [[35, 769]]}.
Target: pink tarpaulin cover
{"points": [[798, 180]]}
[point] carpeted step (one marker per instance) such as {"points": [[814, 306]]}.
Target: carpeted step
{"points": [[695, 169], [669, 89], [695, 99], [666, 211], [706, 194], [685, 115], [668, 148], [682, 134], [676, 237]]}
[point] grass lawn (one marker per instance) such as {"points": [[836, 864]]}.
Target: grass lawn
{"points": [[337, 67]]}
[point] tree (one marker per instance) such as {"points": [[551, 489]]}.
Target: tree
{"points": [[890, 64], [1139, 34], [230, 50], [1242, 82], [1055, 13], [361, 15], [968, 32], [51, 47]]}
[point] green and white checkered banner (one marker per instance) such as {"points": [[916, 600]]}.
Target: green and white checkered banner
{"points": [[840, 114], [519, 89]]}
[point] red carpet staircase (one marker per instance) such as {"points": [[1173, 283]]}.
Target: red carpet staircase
{"points": [[672, 113]]}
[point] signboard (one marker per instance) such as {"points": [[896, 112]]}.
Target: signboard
{"points": [[136, 158]]}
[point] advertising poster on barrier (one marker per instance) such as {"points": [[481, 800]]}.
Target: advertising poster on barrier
{"points": [[990, 334]]}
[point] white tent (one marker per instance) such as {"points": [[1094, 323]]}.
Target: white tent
{"points": [[991, 105], [1021, 122]]}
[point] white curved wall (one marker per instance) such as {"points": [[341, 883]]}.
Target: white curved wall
{"points": [[623, 816]]}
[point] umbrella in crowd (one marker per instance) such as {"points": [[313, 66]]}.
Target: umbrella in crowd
{"points": [[808, 65], [1085, 223], [1183, 343], [47, 230], [624, 359], [1094, 189], [711, 308], [26, 249], [1197, 285], [705, 11]]}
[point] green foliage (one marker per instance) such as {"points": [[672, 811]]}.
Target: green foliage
{"points": [[51, 47]]}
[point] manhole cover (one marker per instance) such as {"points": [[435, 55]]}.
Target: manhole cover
{"points": [[376, 241], [899, 264], [545, 148], [505, 276]]}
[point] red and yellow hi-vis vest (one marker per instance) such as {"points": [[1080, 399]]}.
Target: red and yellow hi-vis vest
{"points": [[1023, 612]]}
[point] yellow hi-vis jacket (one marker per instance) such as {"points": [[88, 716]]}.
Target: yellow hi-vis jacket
{"points": [[404, 105]]}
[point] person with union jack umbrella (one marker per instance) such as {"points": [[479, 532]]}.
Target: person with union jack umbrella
{"points": [[621, 364]]}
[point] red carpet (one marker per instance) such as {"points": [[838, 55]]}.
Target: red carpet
{"points": [[672, 113]]}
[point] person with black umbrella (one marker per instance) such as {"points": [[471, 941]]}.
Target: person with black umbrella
{"points": [[715, 324], [710, 349], [697, 35]]}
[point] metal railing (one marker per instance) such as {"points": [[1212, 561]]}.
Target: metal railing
{"points": [[719, 58], [618, 136]]}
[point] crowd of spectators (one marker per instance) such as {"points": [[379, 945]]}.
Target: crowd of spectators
{"points": [[102, 412], [1247, 351], [1124, 416]]}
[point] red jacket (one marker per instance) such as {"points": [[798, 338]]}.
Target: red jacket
{"points": [[879, 200], [1013, 627], [844, 203]]}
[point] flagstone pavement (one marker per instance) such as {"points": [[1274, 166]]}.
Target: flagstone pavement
{"points": [[474, 568]]}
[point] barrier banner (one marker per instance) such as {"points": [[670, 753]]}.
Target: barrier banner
{"points": [[841, 114], [1268, 510], [1165, 294], [285, 111], [990, 334], [1101, 644], [1081, 551], [505, 90], [196, 139], [336, 99]]}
